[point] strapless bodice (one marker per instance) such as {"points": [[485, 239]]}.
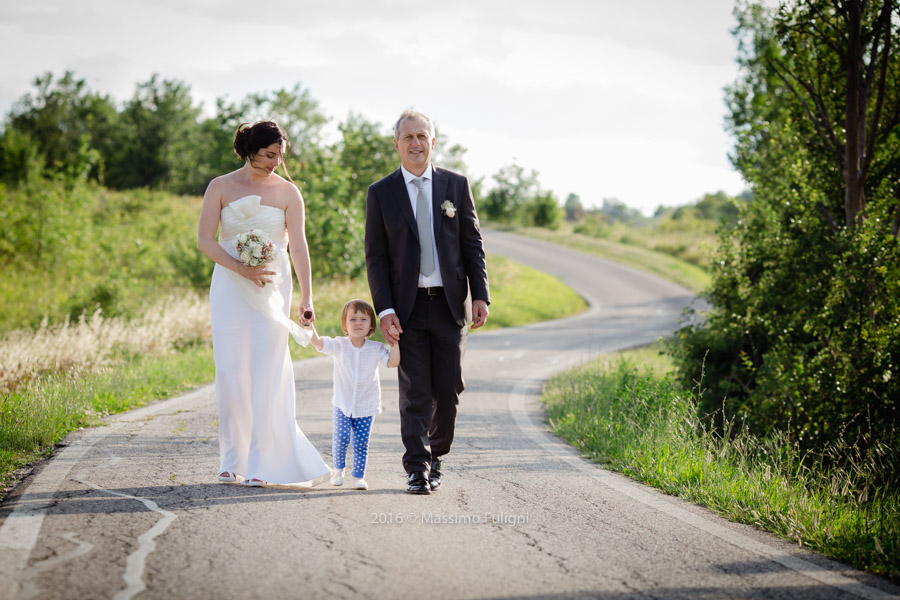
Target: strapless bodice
{"points": [[247, 213], [273, 301]]}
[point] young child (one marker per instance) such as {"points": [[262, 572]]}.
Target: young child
{"points": [[357, 388]]}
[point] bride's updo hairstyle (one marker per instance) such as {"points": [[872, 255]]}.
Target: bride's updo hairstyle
{"points": [[249, 139]]}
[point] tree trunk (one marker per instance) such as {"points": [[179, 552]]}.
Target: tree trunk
{"points": [[857, 100]]}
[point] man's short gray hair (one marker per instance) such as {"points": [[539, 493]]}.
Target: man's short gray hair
{"points": [[412, 114]]}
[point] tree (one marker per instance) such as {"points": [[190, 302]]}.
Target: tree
{"points": [[334, 181], [69, 125], [835, 59], [544, 211], [449, 156], [367, 153], [296, 111], [574, 208], [335, 216], [216, 146], [716, 207], [159, 139], [802, 337], [614, 210], [20, 157], [513, 189]]}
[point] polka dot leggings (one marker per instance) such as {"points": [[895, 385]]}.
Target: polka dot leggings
{"points": [[347, 429]]}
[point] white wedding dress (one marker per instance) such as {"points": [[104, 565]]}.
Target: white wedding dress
{"points": [[258, 433]]}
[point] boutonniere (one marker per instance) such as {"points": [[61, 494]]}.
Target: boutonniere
{"points": [[448, 209]]}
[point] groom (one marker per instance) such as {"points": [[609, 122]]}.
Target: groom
{"points": [[424, 256]]}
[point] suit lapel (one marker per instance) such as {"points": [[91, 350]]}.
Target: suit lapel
{"points": [[438, 191], [398, 187]]}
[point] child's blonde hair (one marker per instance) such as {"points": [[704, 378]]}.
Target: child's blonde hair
{"points": [[358, 306]]}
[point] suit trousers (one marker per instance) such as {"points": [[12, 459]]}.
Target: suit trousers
{"points": [[430, 379]]}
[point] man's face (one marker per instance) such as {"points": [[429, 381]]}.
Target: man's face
{"points": [[414, 142]]}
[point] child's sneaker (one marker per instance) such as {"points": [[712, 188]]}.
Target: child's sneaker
{"points": [[360, 484], [337, 477]]}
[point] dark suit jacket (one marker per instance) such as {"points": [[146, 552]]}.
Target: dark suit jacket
{"points": [[392, 246]]}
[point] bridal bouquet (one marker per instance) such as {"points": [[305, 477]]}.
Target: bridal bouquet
{"points": [[254, 248]]}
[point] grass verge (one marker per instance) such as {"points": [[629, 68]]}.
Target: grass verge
{"points": [[623, 412], [674, 269], [36, 417], [39, 414], [521, 295]]}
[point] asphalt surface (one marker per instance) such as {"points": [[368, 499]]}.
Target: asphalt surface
{"points": [[134, 510]]}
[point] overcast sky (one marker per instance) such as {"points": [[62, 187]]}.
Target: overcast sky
{"points": [[606, 99]]}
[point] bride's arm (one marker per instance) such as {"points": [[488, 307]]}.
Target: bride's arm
{"points": [[206, 237], [295, 217]]}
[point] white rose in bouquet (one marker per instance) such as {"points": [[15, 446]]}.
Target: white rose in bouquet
{"points": [[254, 248]]}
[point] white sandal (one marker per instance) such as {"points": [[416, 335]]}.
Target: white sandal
{"points": [[227, 477], [256, 483]]}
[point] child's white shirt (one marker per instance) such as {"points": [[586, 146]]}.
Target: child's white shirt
{"points": [[357, 387]]}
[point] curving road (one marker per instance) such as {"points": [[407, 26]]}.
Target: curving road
{"points": [[132, 510]]}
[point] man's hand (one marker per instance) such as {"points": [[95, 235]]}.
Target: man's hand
{"points": [[480, 313], [390, 325]]}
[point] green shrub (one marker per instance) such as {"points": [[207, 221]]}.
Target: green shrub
{"points": [[804, 334], [545, 211]]}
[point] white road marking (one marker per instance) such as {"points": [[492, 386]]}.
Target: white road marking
{"points": [[19, 532], [134, 564], [20, 529], [635, 491]]}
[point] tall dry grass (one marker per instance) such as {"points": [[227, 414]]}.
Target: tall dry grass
{"points": [[94, 341]]}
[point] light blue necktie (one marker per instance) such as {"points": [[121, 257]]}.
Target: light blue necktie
{"points": [[423, 221]]}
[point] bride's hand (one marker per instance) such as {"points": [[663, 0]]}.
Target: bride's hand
{"points": [[259, 275], [307, 313]]}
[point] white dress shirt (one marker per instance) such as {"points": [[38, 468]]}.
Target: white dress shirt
{"points": [[357, 387], [433, 280]]}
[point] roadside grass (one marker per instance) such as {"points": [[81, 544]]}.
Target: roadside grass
{"points": [[34, 418], [624, 412], [686, 238], [521, 295], [93, 341], [635, 253], [101, 367]]}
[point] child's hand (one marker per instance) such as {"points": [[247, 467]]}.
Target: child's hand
{"points": [[393, 331]]}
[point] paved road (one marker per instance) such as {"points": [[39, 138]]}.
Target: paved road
{"points": [[132, 509]]}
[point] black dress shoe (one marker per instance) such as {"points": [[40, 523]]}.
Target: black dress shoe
{"points": [[434, 478], [418, 483]]}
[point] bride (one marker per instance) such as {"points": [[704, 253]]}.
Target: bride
{"points": [[259, 440]]}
